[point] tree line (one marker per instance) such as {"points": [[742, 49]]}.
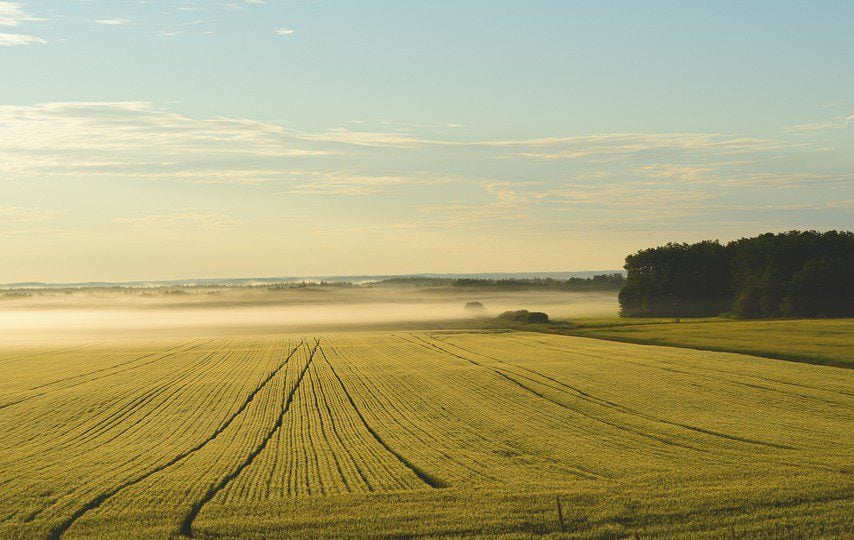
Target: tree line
{"points": [[601, 282], [790, 274]]}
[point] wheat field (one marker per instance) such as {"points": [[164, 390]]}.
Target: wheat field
{"points": [[420, 434]]}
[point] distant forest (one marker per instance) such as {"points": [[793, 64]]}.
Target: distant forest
{"points": [[791, 274], [603, 282]]}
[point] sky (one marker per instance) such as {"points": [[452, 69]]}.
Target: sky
{"points": [[199, 139]]}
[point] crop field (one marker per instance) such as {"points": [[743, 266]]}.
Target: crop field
{"points": [[816, 341], [420, 433]]}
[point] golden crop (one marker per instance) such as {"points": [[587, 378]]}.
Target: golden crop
{"points": [[427, 433]]}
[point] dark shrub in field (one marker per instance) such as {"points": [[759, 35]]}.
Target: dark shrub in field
{"points": [[474, 309], [524, 316]]}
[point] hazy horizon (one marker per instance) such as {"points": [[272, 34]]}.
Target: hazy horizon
{"points": [[354, 278]]}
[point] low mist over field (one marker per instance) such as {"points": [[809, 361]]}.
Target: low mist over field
{"points": [[95, 313]]}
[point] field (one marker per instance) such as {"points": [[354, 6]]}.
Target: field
{"points": [[419, 433], [816, 341]]}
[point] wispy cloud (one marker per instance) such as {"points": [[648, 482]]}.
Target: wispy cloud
{"points": [[612, 181], [190, 218], [20, 213], [112, 22], [687, 173], [14, 40], [839, 122], [603, 147], [12, 14], [348, 183], [139, 140], [284, 31]]}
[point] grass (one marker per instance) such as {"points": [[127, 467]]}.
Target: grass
{"points": [[816, 341], [436, 433]]}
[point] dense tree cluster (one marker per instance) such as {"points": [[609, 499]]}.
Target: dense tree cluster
{"points": [[791, 274]]}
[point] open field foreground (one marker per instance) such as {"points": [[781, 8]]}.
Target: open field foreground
{"points": [[420, 433], [827, 342]]}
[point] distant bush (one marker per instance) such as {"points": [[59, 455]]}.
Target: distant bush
{"points": [[525, 317], [474, 309]]}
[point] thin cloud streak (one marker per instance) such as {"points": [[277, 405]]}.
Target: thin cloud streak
{"points": [[16, 40]]}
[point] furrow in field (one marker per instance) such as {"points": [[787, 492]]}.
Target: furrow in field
{"points": [[145, 402], [130, 467], [705, 370], [508, 401], [480, 431], [55, 352], [700, 371], [186, 528], [165, 354], [162, 413], [505, 374], [385, 398], [347, 463], [62, 427], [425, 477], [317, 393], [477, 433], [453, 419], [627, 410], [57, 531], [373, 466]]}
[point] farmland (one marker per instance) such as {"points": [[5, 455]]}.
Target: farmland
{"points": [[419, 433], [816, 341]]}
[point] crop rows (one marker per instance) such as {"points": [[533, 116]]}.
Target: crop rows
{"points": [[216, 436]]}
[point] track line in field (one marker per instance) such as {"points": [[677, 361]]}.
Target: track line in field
{"points": [[22, 400], [149, 396], [43, 353], [626, 410], [374, 460], [58, 530], [393, 404], [317, 389], [153, 415], [186, 528], [350, 455], [423, 475], [705, 371], [375, 456], [502, 373], [167, 352]]}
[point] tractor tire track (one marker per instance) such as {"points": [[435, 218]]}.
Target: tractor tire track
{"points": [[626, 410], [394, 403], [337, 432], [425, 477], [186, 528], [60, 529], [171, 351], [33, 396], [504, 375]]}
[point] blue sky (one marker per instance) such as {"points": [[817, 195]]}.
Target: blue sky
{"points": [[154, 139]]}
